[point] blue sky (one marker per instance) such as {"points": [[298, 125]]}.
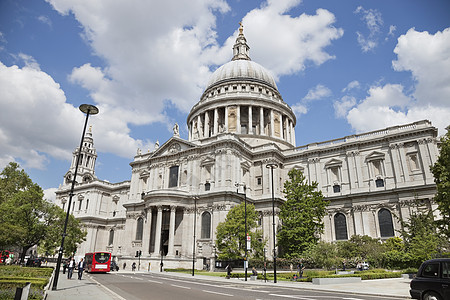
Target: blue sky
{"points": [[345, 67]]}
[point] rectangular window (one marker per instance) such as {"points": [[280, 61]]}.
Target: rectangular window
{"points": [[336, 188], [173, 176], [258, 180], [431, 270], [446, 270], [379, 182], [79, 204]]}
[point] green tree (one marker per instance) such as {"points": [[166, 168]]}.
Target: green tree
{"points": [[230, 234], [441, 172], [26, 219], [301, 215], [75, 234], [323, 255], [419, 232]]}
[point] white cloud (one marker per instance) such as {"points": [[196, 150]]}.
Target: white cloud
{"points": [[45, 20], [392, 29], [318, 92], [426, 56], [382, 108], [343, 106], [294, 40], [299, 109], [30, 97], [352, 85], [36, 122], [157, 54], [374, 22], [49, 194]]}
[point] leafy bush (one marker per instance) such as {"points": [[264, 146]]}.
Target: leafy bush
{"points": [[12, 277], [395, 259]]}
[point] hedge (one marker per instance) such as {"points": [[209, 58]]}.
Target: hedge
{"points": [[12, 277]]}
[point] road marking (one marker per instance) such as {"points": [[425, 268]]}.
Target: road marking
{"points": [[137, 278], [180, 286], [291, 296], [108, 290], [217, 293], [154, 281], [352, 299]]}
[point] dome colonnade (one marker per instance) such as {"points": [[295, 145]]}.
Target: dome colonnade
{"points": [[241, 97]]}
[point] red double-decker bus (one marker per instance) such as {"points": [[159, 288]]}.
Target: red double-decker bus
{"points": [[98, 262]]}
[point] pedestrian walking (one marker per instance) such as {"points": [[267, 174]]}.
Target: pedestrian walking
{"points": [[300, 269], [64, 266], [124, 265], [81, 266], [229, 269], [70, 268], [133, 267]]}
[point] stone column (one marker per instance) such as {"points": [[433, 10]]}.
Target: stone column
{"points": [[261, 121], [216, 121], [199, 126], [250, 120], [206, 124], [158, 231], [272, 124], [403, 161], [147, 230], [226, 119], [190, 131], [395, 163], [292, 134], [238, 119], [184, 235], [171, 230], [426, 162]]}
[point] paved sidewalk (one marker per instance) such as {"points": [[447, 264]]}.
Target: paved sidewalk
{"points": [[74, 289], [88, 288]]}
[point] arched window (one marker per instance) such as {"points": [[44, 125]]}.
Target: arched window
{"points": [[111, 237], [386, 225], [340, 226], [206, 225], [139, 229]]}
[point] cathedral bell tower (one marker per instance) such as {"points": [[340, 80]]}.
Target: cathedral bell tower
{"points": [[86, 165]]}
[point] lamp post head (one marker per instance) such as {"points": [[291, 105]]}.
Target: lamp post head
{"points": [[272, 165], [89, 109]]}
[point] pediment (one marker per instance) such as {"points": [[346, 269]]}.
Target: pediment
{"points": [[173, 146], [207, 161], [298, 167], [245, 165], [375, 155], [333, 163]]}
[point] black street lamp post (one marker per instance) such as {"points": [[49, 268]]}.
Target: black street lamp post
{"points": [[88, 110], [193, 247], [272, 166], [245, 235]]}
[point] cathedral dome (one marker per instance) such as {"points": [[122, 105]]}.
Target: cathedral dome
{"points": [[237, 70]]}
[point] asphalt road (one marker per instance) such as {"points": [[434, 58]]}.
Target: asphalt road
{"points": [[162, 286]]}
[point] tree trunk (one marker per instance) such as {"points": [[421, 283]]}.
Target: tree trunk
{"points": [[24, 251]]}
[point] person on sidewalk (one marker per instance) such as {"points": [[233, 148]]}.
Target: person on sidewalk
{"points": [[81, 266], [64, 266], [124, 265], [70, 268], [133, 267], [229, 269], [300, 268]]}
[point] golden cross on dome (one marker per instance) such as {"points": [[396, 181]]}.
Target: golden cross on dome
{"points": [[241, 29]]}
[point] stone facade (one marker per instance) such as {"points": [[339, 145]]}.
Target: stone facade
{"points": [[181, 191]]}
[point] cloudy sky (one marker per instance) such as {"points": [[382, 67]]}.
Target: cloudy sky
{"points": [[345, 67]]}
